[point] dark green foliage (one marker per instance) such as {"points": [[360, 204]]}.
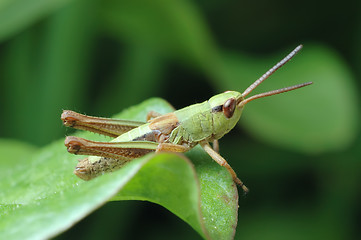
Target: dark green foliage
{"points": [[299, 152]]}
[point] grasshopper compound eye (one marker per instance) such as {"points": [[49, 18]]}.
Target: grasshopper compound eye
{"points": [[228, 107]]}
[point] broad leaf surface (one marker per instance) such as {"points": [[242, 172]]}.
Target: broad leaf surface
{"points": [[39, 189], [174, 28], [15, 15]]}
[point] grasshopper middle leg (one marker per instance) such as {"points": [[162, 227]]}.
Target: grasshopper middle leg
{"points": [[152, 114], [215, 145], [221, 161]]}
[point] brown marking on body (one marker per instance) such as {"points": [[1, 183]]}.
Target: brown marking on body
{"points": [[150, 136], [165, 124], [216, 109]]}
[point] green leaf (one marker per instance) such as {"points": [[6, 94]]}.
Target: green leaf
{"points": [[41, 66], [128, 77], [14, 152], [43, 191], [174, 28], [319, 118], [219, 196], [15, 15]]}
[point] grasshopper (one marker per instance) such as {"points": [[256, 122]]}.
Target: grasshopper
{"points": [[178, 131]]}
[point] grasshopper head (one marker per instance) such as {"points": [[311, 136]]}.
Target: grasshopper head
{"points": [[225, 111], [227, 107]]}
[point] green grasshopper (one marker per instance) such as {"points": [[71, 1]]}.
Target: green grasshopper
{"points": [[178, 131]]}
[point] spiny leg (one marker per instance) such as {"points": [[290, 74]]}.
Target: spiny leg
{"points": [[105, 126], [114, 154], [115, 150], [110, 155], [119, 150], [221, 161]]}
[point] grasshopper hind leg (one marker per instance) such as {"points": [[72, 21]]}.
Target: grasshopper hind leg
{"points": [[115, 150], [113, 155], [104, 126]]}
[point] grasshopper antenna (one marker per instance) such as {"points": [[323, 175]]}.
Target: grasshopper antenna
{"points": [[274, 92], [266, 75], [271, 71]]}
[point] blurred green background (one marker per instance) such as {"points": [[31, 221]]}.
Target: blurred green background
{"points": [[299, 153]]}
